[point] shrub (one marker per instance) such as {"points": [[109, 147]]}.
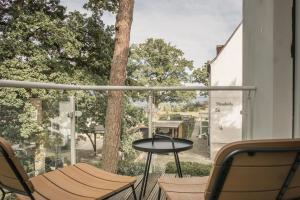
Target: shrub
{"points": [[129, 153], [131, 168], [52, 163], [189, 168], [175, 117], [163, 117]]}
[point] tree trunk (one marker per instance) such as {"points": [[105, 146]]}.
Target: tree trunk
{"points": [[40, 152], [39, 159], [94, 144], [117, 77]]}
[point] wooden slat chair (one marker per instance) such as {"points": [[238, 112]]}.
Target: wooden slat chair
{"points": [[248, 170], [77, 182]]}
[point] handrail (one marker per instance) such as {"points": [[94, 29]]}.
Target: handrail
{"points": [[55, 86]]}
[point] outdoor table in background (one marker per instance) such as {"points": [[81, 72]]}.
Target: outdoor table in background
{"points": [[157, 145]]}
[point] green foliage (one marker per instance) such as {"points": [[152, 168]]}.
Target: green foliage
{"points": [[133, 115], [40, 42], [98, 6], [194, 106], [92, 106], [53, 162], [204, 123], [189, 168], [125, 167], [36, 47], [175, 117], [29, 125], [126, 145], [97, 46], [131, 168], [157, 63], [201, 75], [27, 160], [190, 127], [164, 117], [10, 10]]}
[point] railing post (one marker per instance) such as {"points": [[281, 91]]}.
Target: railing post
{"points": [[150, 103], [150, 126], [73, 137], [249, 116]]}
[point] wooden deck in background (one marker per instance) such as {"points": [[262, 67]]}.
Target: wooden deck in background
{"points": [[151, 192]]}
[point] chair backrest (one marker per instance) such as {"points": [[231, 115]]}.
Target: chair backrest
{"points": [[12, 174], [248, 170]]}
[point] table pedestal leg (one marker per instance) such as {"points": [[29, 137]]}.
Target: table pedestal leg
{"points": [[177, 162], [146, 174]]}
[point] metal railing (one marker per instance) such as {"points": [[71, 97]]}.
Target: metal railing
{"points": [[53, 86]]}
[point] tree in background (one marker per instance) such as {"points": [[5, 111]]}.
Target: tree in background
{"points": [[33, 43], [93, 107], [114, 110], [99, 6], [158, 63], [40, 42], [95, 57], [201, 75], [33, 39], [132, 117]]}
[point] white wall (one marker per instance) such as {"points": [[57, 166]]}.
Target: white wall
{"points": [[225, 106], [226, 69], [267, 64], [297, 81]]}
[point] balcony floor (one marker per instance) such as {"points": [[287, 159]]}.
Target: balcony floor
{"points": [[151, 193]]}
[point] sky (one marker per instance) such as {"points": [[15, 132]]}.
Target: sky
{"points": [[194, 26]]}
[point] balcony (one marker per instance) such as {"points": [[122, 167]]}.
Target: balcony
{"points": [[68, 126], [51, 126]]}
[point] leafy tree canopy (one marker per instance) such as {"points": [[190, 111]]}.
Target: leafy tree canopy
{"points": [[40, 42], [99, 6], [158, 63], [12, 9], [201, 75]]}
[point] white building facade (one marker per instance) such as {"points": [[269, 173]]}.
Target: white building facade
{"points": [[263, 52], [226, 106]]}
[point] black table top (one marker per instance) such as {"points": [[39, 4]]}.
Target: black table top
{"points": [[162, 145]]}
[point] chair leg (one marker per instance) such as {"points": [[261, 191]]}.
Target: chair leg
{"points": [[3, 194], [133, 192], [159, 193]]}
